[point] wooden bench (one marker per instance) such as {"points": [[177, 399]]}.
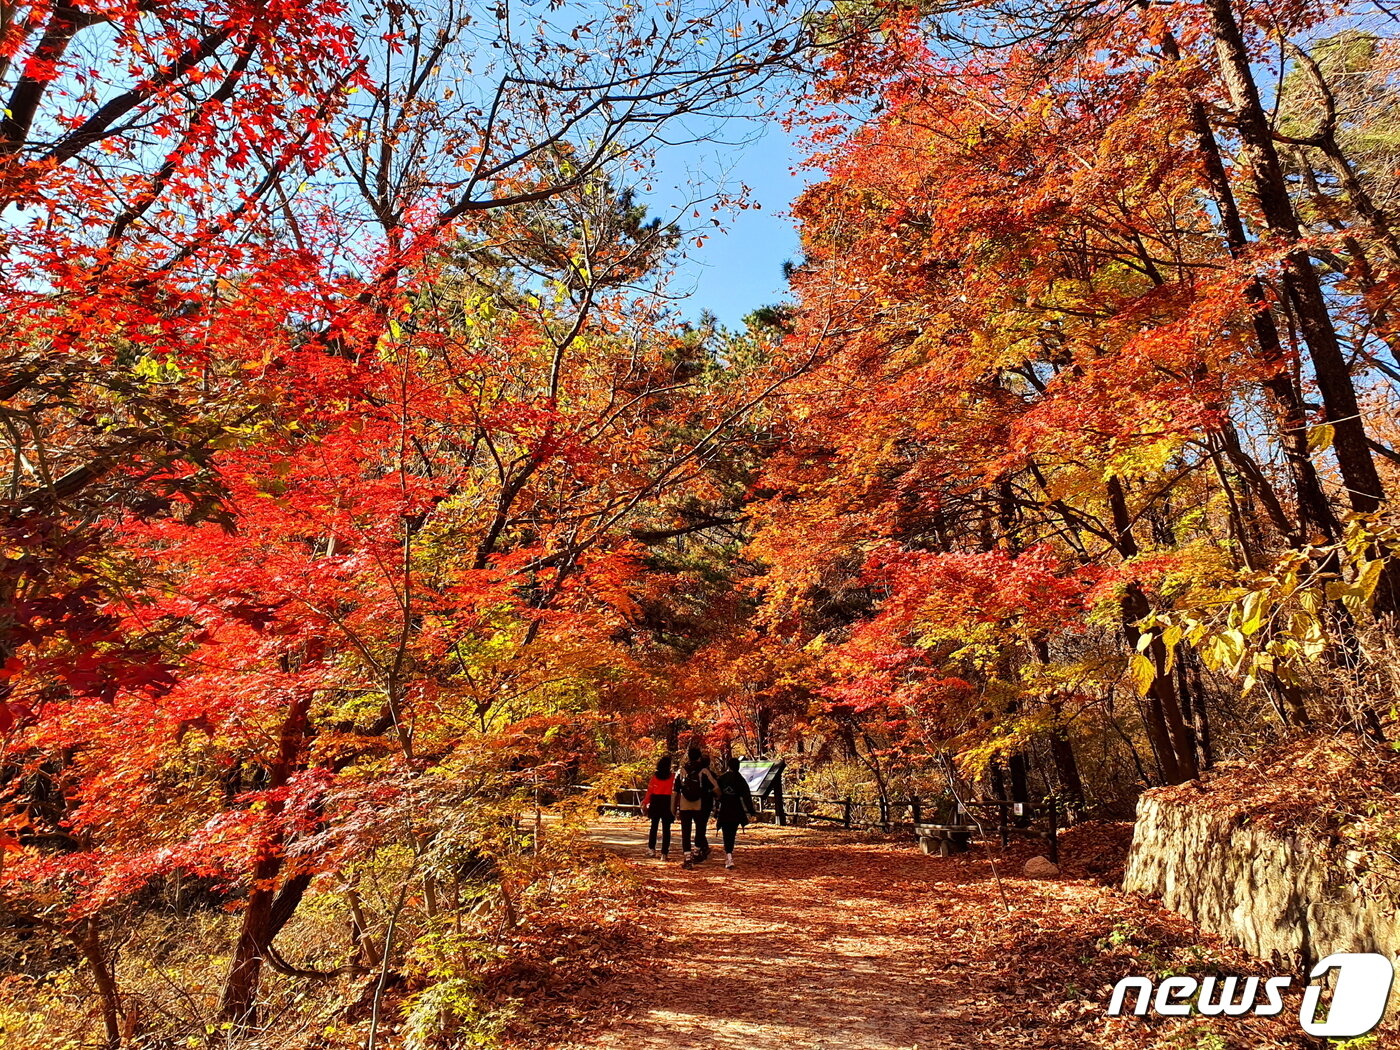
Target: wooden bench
{"points": [[628, 801], [945, 839]]}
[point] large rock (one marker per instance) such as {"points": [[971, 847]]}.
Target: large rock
{"points": [[1040, 868], [1282, 896]]}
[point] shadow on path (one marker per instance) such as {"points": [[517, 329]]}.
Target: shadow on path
{"points": [[820, 941], [808, 943]]}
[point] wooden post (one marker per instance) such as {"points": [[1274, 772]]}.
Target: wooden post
{"points": [[846, 811], [1054, 832], [1002, 822], [914, 810], [778, 806]]}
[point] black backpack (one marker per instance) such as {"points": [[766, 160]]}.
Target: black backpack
{"points": [[693, 785]]}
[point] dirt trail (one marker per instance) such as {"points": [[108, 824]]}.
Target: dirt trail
{"points": [[817, 941], [774, 952]]}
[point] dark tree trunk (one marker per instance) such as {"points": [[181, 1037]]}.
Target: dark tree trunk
{"points": [[267, 911], [1202, 719], [89, 943], [1193, 703], [1067, 769], [1314, 510], [1351, 443], [998, 780], [1020, 787], [1171, 736], [1300, 279]]}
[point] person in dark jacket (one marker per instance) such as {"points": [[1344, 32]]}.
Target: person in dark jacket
{"points": [[659, 805], [734, 808], [696, 790]]}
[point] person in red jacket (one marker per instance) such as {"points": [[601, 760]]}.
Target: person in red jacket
{"points": [[657, 804]]}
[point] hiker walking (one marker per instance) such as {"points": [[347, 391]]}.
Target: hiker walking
{"points": [[735, 807], [694, 798], [660, 807]]}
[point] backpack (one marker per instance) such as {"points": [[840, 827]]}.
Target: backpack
{"points": [[731, 802], [693, 786]]}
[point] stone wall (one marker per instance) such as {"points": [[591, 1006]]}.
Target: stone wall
{"points": [[1289, 898]]}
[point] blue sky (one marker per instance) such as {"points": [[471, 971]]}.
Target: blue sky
{"points": [[739, 269]]}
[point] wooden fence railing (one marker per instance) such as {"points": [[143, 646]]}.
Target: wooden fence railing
{"points": [[1005, 818], [853, 813]]}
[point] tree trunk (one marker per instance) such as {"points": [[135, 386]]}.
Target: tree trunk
{"points": [[1171, 736], [1352, 445], [1314, 510], [1067, 768], [89, 943], [1202, 719], [1300, 279], [1020, 789], [360, 931], [998, 780], [265, 906]]}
